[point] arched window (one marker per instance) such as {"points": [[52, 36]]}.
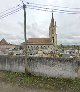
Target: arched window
{"points": [[53, 39]]}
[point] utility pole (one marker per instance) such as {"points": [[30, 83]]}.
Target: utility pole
{"points": [[78, 49], [74, 48], [24, 8]]}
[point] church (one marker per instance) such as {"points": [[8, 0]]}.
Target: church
{"points": [[34, 45]]}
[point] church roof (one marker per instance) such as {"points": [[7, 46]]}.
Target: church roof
{"points": [[3, 42], [38, 40]]}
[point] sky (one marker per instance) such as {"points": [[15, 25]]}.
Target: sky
{"points": [[68, 25]]}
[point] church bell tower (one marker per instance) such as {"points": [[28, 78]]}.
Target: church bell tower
{"points": [[52, 31]]}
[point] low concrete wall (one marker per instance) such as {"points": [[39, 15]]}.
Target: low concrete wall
{"points": [[67, 68], [15, 64]]}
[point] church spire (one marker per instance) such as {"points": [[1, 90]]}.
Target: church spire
{"points": [[52, 20], [52, 14], [55, 23], [52, 31]]}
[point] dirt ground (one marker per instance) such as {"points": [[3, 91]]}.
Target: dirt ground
{"points": [[9, 87], [5, 87]]}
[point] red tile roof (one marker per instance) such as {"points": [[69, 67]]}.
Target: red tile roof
{"points": [[38, 40]]}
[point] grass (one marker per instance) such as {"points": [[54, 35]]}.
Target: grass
{"points": [[72, 85]]}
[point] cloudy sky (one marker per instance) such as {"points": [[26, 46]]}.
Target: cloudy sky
{"points": [[68, 25]]}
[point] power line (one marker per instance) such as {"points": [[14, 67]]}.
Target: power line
{"points": [[51, 5], [36, 7], [40, 6], [11, 12], [39, 9], [54, 10], [50, 9], [10, 9]]}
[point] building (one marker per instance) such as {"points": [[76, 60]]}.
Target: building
{"points": [[46, 45], [4, 45]]}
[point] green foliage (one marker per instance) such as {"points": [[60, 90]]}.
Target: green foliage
{"points": [[60, 55], [68, 46]]}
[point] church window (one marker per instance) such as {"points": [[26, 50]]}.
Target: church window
{"points": [[28, 46], [41, 47], [37, 47]]}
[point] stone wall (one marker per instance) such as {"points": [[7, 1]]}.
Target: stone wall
{"points": [[67, 68]]}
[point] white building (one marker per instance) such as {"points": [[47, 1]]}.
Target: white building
{"points": [[4, 45]]}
